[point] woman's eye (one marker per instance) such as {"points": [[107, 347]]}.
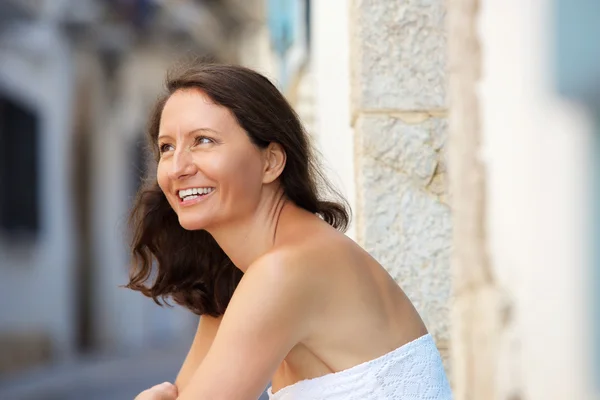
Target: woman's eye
{"points": [[203, 140], [165, 147]]}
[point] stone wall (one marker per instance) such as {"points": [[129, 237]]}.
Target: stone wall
{"points": [[398, 89]]}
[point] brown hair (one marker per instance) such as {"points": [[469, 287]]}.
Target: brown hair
{"points": [[190, 266]]}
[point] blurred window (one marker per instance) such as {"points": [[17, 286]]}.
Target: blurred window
{"points": [[19, 172]]}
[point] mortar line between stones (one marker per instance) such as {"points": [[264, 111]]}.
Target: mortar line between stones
{"points": [[396, 112]]}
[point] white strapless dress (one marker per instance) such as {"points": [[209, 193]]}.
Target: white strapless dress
{"points": [[413, 371]]}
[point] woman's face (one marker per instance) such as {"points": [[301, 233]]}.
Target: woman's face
{"points": [[209, 170]]}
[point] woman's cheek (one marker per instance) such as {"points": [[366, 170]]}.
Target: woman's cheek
{"points": [[162, 179]]}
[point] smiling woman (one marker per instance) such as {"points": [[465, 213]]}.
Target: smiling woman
{"points": [[236, 220], [218, 103]]}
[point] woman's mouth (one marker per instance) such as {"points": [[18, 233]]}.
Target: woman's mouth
{"points": [[193, 195]]}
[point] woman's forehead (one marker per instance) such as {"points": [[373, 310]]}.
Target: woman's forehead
{"points": [[190, 109]]}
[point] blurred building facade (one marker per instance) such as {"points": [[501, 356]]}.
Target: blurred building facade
{"points": [[77, 79]]}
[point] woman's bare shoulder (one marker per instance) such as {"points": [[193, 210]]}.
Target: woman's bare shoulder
{"points": [[301, 268], [302, 256], [283, 264]]}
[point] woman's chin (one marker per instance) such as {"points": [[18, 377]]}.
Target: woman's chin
{"points": [[192, 225]]}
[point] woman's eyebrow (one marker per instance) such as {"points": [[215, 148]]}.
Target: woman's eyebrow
{"points": [[203, 130], [166, 135]]}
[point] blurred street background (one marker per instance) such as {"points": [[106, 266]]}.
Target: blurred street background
{"points": [[464, 134]]}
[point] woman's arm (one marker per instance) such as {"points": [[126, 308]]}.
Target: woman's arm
{"points": [[269, 313], [207, 329]]}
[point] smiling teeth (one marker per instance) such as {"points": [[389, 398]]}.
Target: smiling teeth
{"points": [[183, 194]]}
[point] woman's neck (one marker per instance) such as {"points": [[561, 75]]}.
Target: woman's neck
{"points": [[247, 240]]}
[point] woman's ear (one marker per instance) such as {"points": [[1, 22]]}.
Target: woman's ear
{"points": [[275, 158]]}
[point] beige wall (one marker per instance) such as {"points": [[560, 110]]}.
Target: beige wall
{"points": [[398, 110], [519, 159], [331, 70]]}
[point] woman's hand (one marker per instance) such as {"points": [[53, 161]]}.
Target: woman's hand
{"points": [[164, 391]]}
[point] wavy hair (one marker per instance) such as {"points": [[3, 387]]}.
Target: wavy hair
{"points": [[189, 266]]}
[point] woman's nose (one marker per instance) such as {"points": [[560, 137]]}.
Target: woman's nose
{"points": [[183, 164]]}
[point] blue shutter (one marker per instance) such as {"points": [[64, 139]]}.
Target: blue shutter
{"points": [[577, 65]]}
